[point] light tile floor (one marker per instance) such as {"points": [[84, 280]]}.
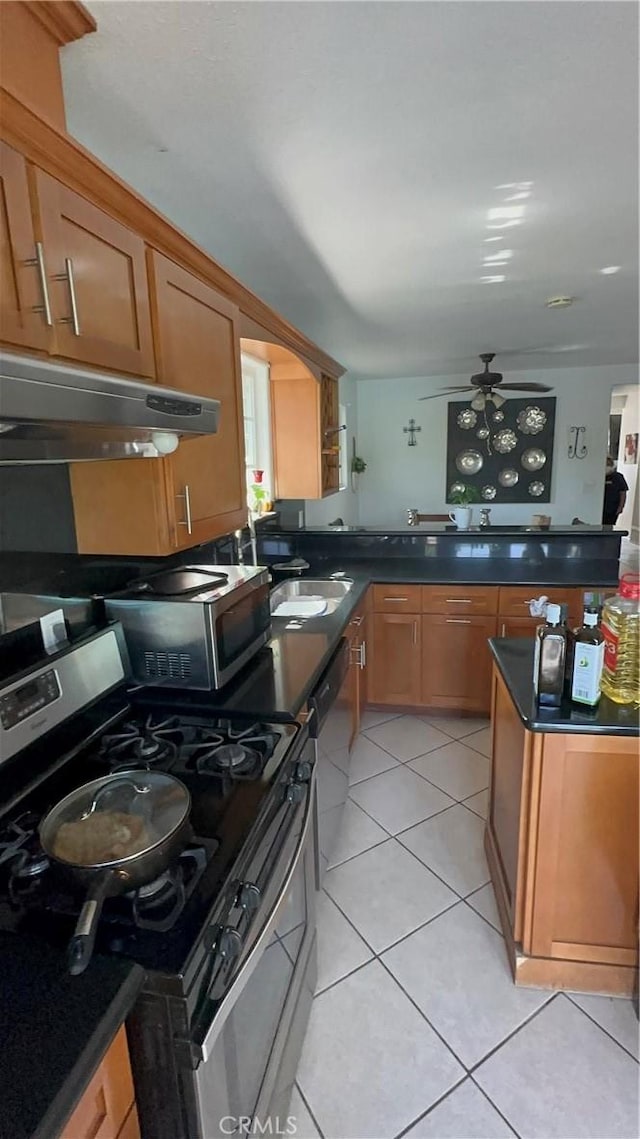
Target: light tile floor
{"points": [[416, 1029]]}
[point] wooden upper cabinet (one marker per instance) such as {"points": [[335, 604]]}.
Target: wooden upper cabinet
{"points": [[456, 662], [97, 282], [197, 350], [155, 506], [23, 315], [304, 429]]}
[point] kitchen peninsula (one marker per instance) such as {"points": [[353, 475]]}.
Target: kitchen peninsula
{"points": [[562, 833]]}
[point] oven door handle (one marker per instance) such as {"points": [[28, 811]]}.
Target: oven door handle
{"points": [[202, 1051]]}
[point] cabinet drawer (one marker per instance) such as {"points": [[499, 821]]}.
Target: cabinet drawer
{"points": [[514, 599], [396, 598], [463, 600], [108, 1099]]}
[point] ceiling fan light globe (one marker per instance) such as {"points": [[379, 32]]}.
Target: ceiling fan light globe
{"points": [[478, 402], [498, 399]]}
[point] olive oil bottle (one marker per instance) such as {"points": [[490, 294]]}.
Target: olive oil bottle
{"points": [[549, 659], [588, 659]]}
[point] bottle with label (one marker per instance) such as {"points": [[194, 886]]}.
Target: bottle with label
{"points": [[588, 659], [549, 659], [621, 630]]}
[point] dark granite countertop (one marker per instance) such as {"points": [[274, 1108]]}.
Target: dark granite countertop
{"points": [[514, 658], [56, 1029], [424, 528], [465, 571], [276, 684]]}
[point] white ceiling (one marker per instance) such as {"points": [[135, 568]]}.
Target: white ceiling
{"points": [[341, 159]]}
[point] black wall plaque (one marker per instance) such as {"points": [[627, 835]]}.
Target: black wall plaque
{"points": [[523, 428]]}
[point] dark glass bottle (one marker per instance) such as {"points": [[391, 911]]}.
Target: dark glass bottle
{"points": [[549, 659], [588, 662]]}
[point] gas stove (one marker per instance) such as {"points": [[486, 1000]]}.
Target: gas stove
{"points": [[236, 771]]}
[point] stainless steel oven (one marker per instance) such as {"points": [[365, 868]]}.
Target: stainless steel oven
{"points": [[250, 1045], [194, 626]]}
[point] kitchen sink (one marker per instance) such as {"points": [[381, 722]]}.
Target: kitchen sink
{"points": [[300, 593]]}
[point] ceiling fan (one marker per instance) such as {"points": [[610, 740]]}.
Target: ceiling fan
{"points": [[483, 386]]}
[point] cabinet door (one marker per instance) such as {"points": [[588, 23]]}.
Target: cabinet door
{"points": [[395, 663], [197, 348], [518, 626], [97, 282], [24, 319], [456, 662], [107, 1102], [514, 599]]}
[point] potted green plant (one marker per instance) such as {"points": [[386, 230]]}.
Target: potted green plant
{"points": [[462, 497]]}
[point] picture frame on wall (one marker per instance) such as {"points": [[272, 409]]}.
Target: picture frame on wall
{"points": [[631, 448]]}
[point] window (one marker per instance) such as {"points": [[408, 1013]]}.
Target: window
{"points": [[257, 422]]}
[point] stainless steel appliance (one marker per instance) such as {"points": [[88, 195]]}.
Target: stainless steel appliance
{"points": [[331, 725], [51, 412], [194, 626], [226, 934]]}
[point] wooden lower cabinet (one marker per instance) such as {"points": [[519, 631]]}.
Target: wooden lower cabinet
{"points": [[562, 844], [395, 664], [456, 663], [517, 626], [107, 1109]]}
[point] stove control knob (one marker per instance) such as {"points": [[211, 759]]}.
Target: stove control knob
{"points": [[248, 897], [229, 943], [295, 793], [303, 772]]}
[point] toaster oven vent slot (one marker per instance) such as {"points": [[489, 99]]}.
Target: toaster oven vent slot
{"points": [[176, 666]]}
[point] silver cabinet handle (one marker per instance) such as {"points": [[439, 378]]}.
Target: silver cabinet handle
{"points": [[395, 598], [458, 601], [414, 634], [357, 620], [38, 261], [67, 276], [363, 650], [458, 621], [187, 509], [503, 628]]}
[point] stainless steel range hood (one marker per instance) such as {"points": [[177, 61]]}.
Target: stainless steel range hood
{"points": [[55, 413]]}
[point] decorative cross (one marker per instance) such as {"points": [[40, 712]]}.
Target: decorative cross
{"points": [[411, 432]]}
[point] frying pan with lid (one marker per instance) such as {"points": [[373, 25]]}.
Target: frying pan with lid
{"points": [[131, 827]]}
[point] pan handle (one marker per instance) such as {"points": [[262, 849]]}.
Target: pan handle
{"points": [[81, 945]]}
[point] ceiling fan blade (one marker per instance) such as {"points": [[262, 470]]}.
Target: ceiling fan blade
{"points": [[525, 388], [447, 391]]}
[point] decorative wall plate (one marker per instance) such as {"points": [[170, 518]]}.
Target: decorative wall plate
{"points": [[531, 420], [508, 477], [469, 462], [505, 440], [533, 459], [467, 418], [488, 492], [483, 433], [498, 416], [536, 489], [458, 488]]}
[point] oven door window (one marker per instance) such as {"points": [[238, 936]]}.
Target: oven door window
{"points": [[230, 1083], [237, 627]]}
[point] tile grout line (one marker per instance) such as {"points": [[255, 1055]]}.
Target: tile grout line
{"points": [[479, 915], [304, 1100], [597, 1023], [494, 1106], [424, 1017], [554, 996], [431, 1108]]}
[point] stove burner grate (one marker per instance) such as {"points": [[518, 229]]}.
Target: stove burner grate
{"points": [[143, 745]]}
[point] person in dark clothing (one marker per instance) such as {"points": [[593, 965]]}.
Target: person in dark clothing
{"points": [[615, 494]]}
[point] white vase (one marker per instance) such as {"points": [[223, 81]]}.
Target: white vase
{"points": [[461, 516]]}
